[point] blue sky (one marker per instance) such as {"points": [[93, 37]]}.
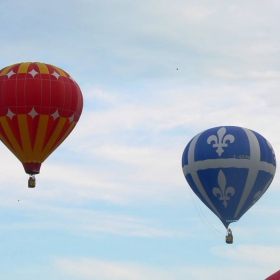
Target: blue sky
{"points": [[112, 203]]}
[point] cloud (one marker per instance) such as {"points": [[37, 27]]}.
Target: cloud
{"points": [[138, 46], [86, 268], [155, 165], [147, 139], [258, 254], [96, 269], [185, 107], [32, 215], [252, 75]]}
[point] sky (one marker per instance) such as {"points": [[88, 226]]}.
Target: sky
{"points": [[112, 203]]}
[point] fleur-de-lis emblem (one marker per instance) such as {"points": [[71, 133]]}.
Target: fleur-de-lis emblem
{"points": [[258, 195], [222, 192], [269, 145], [220, 142]]}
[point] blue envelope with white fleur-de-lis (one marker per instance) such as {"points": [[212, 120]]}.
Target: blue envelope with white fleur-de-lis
{"points": [[229, 168]]}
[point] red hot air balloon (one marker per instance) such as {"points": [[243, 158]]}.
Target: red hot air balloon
{"points": [[40, 104], [275, 276]]}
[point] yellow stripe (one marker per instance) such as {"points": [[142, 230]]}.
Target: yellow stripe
{"points": [[12, 139], [25, 137], [60, 71], [43, 68], [7, 144], [45, 153], [23, 67], [72, 125], [6, 70], [40, 136]]}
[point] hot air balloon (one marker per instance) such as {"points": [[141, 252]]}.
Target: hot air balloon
{"points": [[274, 276], [40, 104], [229, 168]]}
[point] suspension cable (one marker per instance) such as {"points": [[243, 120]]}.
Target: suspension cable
{"points": [[210, 228]]}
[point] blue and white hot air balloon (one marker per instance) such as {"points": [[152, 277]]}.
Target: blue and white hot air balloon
{"points": [[229, 168]]}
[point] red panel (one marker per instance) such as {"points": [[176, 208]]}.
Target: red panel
{"points": [[15, 68], [74, 100], [46, 96], [1, 95], [20, 97], [53, 77], [275, 276], [35, 67], [80, 103], [14, 126], [19, 76], [64, 129], [50, 129], [57, 94], [51, 69], [65, 113], [33, 127], [32, 167], [68, 96], [33, 91], [4, 135], [8, 96]]}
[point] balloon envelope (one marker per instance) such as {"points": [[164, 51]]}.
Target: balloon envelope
{"points": [[40, 105], [229, 168], [275, 276]]}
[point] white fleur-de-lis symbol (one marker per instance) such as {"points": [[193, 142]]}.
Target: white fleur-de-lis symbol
{"points": [[220, 142], [269, 145], [222, 192], [258, 195]]}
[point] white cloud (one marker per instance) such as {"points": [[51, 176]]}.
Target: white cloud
{"points": [[83, 222], [106, 270], [187, 107], [139, 138], [91, 94], [261, 255], [254, 75], [95, 269]]}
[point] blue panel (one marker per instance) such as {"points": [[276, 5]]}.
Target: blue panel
{"points": [[240, 146], [235, 178], [267, 154], [258, 190], [185, 155]]}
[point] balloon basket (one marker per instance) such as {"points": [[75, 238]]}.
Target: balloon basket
{"points": [[32, 181], [229, 237]]}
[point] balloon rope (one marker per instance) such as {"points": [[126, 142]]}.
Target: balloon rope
{"points": [[211, 229]]}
